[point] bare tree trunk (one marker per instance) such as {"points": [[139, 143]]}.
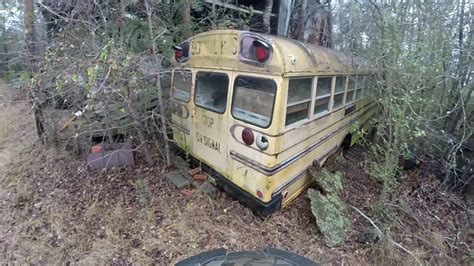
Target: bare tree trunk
{"points": [[328, 28], [185, 15], [158, 85], [5, 57], [267, 15], [30, 31], [455, 93], [214, 15], [299, 31], [121, 20], [320, 31], [31, 46], [318, 24]]}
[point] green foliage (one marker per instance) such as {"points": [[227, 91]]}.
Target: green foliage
{"points": [[138, 37], [104, 51], [59, 85], [420, 50], [92, 72], [229, 22], [18, 80], [357, 132]]}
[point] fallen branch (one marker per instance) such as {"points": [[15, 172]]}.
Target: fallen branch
{"points": [[389, 239]]}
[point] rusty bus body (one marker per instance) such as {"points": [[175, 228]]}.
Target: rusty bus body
{"points": [[258, 110]]}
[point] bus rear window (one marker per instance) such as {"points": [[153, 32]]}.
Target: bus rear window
{"points": [[211, 91], [182, 85], [253, 100]]}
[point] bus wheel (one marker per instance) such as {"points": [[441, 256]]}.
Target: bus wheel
{"points": [[346, 144]]}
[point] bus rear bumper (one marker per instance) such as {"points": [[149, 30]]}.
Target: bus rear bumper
{"points": [[259, 207], [264, 209]]}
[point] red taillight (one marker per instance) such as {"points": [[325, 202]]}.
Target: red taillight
{"points": [[260, 194], [178, 54], [247, 136], [181, 51], [255, 50], [261, 53], [262, 50]]}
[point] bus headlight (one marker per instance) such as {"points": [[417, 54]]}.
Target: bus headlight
{"points": [[262, 142]]}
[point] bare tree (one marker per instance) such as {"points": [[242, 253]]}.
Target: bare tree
{"points": [[299, 20], [320, 25], [158, 83], [267, 15], [30, 31], [311, 22], [185, 16], [29, 13]]}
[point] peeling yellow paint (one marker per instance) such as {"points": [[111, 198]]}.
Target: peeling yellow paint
{"points": [[218, 51]]}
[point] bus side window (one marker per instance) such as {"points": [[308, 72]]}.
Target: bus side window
{"points": [[323, 95], [339, 92], [182, 85], [360, 86], [299, 100], [253, 100], [351, 89]]}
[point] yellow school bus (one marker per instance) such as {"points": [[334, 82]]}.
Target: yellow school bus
{"points": [[255, 111]]}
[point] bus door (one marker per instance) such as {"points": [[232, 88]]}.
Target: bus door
{"points": [[210, 120], [181, 108]]}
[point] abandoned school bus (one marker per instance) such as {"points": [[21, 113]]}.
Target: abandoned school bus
{"points": [[257, 110]]}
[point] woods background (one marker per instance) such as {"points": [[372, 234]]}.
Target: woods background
{"points": [[100, 71]]}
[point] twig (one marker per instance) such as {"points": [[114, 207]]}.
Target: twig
{"points": [[389, 239]]}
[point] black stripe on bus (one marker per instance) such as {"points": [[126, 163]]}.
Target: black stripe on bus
{"points": [[282, 134], [185, 130], [274, 169], [300, 174]]}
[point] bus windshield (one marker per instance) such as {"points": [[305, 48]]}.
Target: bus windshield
{"points": [[253, 100]]}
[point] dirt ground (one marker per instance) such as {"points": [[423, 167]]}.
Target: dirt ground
{"points": [[56, 211]]}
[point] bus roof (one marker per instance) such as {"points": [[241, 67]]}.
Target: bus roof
{"points": [[222, 49]]}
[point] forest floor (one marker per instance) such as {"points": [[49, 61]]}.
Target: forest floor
{"points": [[56, 211]]}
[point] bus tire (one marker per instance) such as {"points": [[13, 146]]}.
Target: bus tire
{"points": [[346, 143]]}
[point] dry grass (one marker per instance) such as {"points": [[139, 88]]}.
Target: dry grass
{"points": [[87, 217], [55, 211]]}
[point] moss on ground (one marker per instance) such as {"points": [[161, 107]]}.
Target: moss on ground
{"points": [[329, 210]]}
